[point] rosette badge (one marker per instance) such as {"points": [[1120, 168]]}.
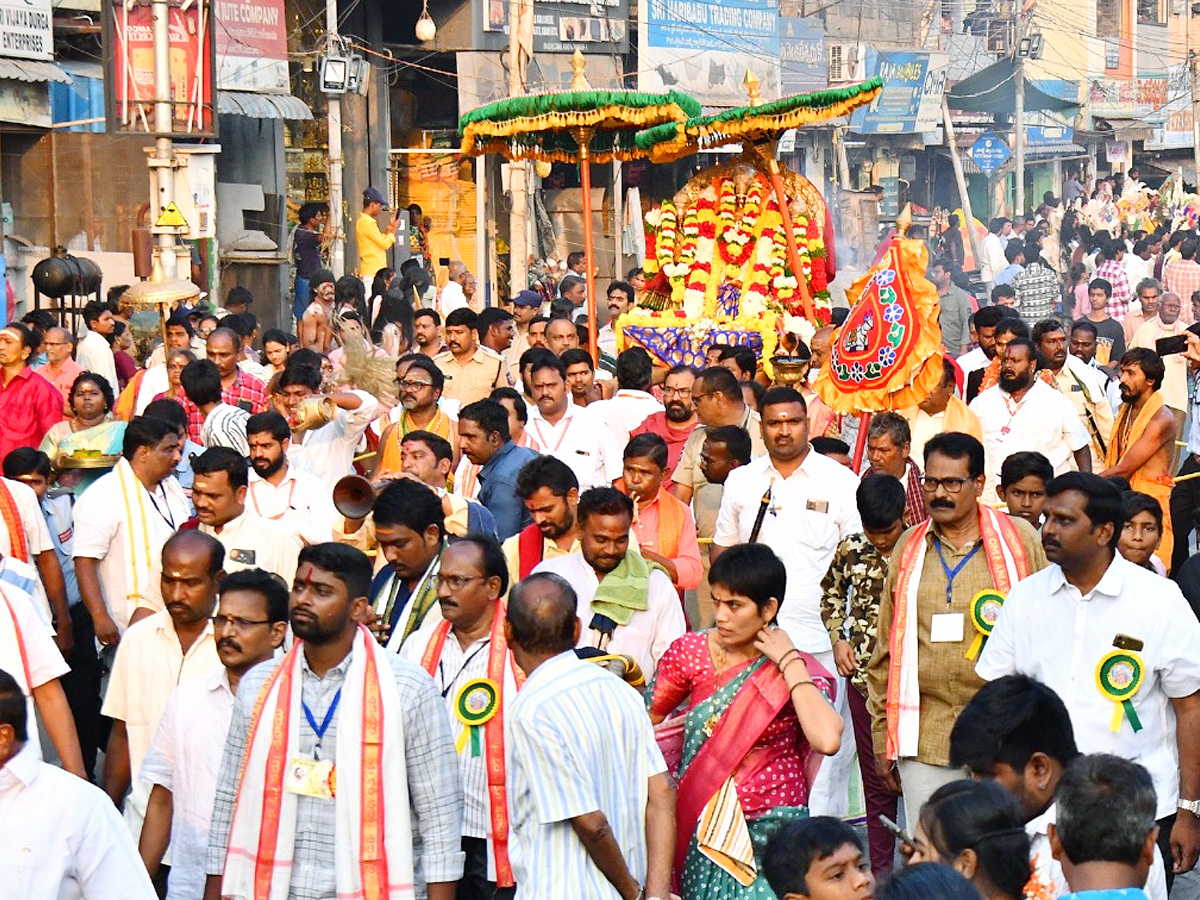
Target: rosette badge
{"points": [[475, 705], [1119, 675], [985, 609]]}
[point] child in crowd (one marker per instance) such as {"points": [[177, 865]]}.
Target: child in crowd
{"points": [[1142, 532], [1023, 479], [818, 859], [850, 611]]}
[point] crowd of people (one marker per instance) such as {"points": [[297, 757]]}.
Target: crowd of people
{"points": [[592, 630]]}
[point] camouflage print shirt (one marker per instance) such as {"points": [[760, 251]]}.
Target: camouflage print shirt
{"points": [[850, 599]]}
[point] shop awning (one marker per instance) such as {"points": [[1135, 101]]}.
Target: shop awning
{"points": [[993, 90], [262, 106], [32, 71]]}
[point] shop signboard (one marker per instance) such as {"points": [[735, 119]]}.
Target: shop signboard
{"points": [[705, 47], [803, 66], [1045, 128], [25, 29], [129, 59], [911, 99], [989, 153], [251, 40], [1129, 98], [1174, 131]]}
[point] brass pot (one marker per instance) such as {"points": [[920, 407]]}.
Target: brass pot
{"points": [[312, 413], [789, 370]]}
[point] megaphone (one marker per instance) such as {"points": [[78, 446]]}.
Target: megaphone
{"points": [[353, 496]]}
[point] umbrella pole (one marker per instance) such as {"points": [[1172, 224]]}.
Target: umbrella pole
{"points": [[860, 443], [585, 178], [793, 252]]}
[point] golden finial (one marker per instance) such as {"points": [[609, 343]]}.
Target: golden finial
{"points": [[579, 80], [750, 83], [904, 220]]}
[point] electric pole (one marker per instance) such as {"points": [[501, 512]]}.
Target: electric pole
{"points": [[1194, 69], [164, 148], [337, 219]]}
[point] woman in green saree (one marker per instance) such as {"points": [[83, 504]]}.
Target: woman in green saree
{"points": [[756, 719], [90, 432]]}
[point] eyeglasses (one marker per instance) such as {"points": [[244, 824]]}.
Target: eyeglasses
{"points": [[952, 485], [55, 344], [458, 582], [676, 392], [411, 385], [237, 622], [696, 398]]}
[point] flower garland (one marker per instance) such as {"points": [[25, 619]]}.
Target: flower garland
{"points": [[738, 234]]}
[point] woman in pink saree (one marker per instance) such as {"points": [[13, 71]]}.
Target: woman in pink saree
{"points": [[743, 719]]}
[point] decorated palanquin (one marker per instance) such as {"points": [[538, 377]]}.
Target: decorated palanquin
{"points": [[717, 265], [888, 354]]}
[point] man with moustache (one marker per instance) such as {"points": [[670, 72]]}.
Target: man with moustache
{"points": [[677, 420], [426, 459], [620, 301], [985, 322], [167, 648], [525, 308], [1022, 412], [626, 606], [921, 673], [280, 492], [250, 542], [550, 491], [1142, 443], [486, 442], [420, 384], [1093, 616], [427, 333], [183, 760], [467, 656], [1167, 323], [238, 388], [1078, 382], [471, 371], [368, 724], [573, 434]]}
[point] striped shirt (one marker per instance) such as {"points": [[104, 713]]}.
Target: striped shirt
{"points": [[225, 426], [434, 789], [455, 668], [579, 741]]}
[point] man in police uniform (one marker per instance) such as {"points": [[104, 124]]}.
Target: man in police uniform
{"points": [[471, 371]]}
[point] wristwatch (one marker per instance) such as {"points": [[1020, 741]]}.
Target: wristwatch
{"points": [[1192, 806]]}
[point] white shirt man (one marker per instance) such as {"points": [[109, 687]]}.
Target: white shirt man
{"points": [[809, 513], [973, 359], [61, 838], [625, 411], [583, 441], [102, 532], [252, 542], [95, 355], [649, 632], [1049, 631], [328, 452], [28, 653], [1043, 420], [299, 501], [451, 298]]}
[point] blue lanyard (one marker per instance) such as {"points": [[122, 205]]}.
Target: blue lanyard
{"points": [[950, 573], [320, 730]]}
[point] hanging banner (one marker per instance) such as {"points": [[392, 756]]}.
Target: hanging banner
{"points": [[130, 76], [803, 66], [251, 40]]}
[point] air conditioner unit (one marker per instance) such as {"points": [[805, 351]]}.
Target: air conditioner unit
{"points": [[843, 62]]}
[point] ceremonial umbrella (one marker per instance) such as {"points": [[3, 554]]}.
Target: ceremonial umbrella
{"points": [[577, 125], [888, 354], [758, 127]]}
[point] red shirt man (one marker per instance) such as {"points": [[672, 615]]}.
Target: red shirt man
{"points": [[678, 419], [29, 404]]}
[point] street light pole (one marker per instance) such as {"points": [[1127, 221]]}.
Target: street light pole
{"points": [[1019, 109], [163, 160], [518, 171]]}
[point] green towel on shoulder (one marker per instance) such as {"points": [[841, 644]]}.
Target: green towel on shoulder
{"points": [[626, 589]]}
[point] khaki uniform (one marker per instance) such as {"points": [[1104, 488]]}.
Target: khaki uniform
{"points": [[476, 378]]}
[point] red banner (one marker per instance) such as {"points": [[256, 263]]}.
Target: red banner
{"points": [[192, 70]]}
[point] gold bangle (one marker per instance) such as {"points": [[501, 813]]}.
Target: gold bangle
{"points": [[783, 668], [782, 659], [801, 683]]}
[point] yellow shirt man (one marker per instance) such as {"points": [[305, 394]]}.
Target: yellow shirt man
{"points": [[373, 244]]}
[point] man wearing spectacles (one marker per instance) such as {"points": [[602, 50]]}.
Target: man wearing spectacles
{"points": [[946, 580], [419, 386], [60, 370], [469, 660], [183, 760]]}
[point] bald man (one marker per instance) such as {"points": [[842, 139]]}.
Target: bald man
{"points": [[171, 646]]}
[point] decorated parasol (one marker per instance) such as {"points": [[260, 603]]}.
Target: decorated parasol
{"points": [[888, 354], [758, 127], [578, 125]]}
